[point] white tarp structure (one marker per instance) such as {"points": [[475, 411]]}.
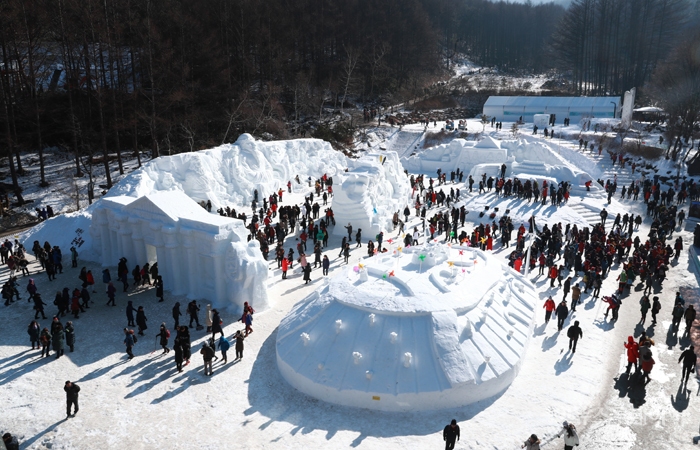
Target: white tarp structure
{"points": [[374, 188], [511, 109], [419, 329], [200, 255]]}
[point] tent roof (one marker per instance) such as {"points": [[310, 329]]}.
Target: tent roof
{"points": [[551, 102]]}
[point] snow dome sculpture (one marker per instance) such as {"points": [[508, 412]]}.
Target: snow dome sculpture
{"points": [[228, 174], [419, 328], [200, 255], [459, 153], [374, 188]]}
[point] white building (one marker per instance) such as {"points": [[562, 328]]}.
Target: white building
{"points": [[200, 255], [511, 109], [421, 328]]}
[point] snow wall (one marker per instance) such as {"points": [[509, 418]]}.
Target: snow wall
{"points": [[459, 153], [420, 328], [374, 188], [228, 174]]}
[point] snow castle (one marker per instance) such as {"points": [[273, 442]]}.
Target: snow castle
{"points": [[419, 328]]}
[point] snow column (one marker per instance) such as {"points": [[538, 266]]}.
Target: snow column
{"points": [[172, 260], [190, 255]]}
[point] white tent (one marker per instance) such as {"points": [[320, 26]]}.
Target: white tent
{"points": [[511, 109], [200, 255]]}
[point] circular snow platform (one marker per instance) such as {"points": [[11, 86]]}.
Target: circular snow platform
{"points": [[421, 328]]}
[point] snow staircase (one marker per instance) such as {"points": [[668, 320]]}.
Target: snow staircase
{"points": [[591, 217], [404, 142]]}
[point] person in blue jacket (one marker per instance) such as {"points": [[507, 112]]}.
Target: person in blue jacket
{"points": [[224, 345]]}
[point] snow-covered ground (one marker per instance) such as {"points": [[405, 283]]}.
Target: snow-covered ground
{"points": [[145, 403]]}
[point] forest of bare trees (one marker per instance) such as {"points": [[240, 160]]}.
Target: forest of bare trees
{"points": [[102, 78]]}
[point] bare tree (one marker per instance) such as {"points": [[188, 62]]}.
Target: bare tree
{"points": [[352, 57]]}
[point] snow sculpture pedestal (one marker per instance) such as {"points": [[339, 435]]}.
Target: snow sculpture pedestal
{"points": [[432, 327]]}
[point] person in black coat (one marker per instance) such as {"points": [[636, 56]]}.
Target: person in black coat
{"points": [[159, 288], [689, 359], [574, 333], [38, 306], [192, 310], [176, 315], [216, 323], [451, 435], [562, 312], [72, 390], [307, 272], [130, 314], [164, 336], [10, 442], [141, 320]]}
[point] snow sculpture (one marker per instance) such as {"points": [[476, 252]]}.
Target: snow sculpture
{"points": [[459, 153], [374, 189], [447, 355], [199, 255], [228, 174]]}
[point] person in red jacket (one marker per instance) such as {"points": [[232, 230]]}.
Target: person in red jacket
{"points": [[285, 266], [549, 307], [632, 354], [553, 274]]}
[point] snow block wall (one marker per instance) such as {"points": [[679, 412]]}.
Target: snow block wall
{"points": [[200, 255], [420, 328], [373, 189], [459, 153], [228, 174]]}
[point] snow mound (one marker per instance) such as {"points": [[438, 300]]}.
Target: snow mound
{"points": [[374, 189], [424, 328], [228, 174]]}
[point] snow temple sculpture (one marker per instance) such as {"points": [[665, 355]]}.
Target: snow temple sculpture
{"points": [[419, 328], [200, 255], [374, 188]]}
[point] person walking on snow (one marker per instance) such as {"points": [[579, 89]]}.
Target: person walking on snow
{"points": [[689, 359], [570, 435], [224, 345], [176, 315], [192, 310], [632, 354], [141, 320], [644, 307], [574, 333], [450, 434], [562, 312], [208, 354], [549, 307], [532, 443], [655, 308], [164, 335], [129, 341], [72, 391], [239, 344], [130, 314]]}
